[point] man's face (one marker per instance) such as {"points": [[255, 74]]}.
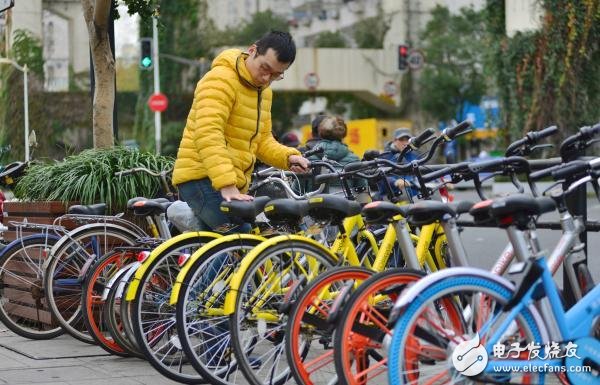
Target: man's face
{"points": [[265, 68], [401, 142]]}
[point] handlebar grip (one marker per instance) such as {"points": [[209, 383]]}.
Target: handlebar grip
{"points": [[324, 178], [457, 130], [314, 151], [417, 141], [546, 132], [570, 169], [589, 132]]}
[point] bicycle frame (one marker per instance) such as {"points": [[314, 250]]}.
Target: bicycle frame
{"points": [[155, 253], [573, 324]]}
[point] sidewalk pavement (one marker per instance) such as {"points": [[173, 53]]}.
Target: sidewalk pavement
{"points": [[67, 361]]}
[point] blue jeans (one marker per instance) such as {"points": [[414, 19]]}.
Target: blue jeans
{"points": [[205, 202]]}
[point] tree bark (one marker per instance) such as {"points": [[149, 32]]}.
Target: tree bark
{"points": [[96, 14]]}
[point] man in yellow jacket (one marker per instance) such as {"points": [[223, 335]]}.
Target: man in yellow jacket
{"points": [[229, 127]]}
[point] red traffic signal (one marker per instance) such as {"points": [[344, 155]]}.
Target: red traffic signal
{"points": [[402, 57]]}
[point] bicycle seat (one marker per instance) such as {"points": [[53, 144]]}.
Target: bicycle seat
{"points": [[427, 212], [132, 201], [332, 208], [382, 212], [245, 210], [282, 211], [97, 209], [518, 209], [151, 206]]}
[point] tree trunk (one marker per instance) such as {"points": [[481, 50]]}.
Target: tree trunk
{"points": [[96, 14]]}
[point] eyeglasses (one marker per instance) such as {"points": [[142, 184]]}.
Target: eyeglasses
{"points": [[265, 69]]}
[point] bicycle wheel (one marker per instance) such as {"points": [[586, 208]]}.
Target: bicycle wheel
{"points": [[23, 308], [116, 320], [68, 264], [362, 327], [93, 301], [201, 322], [309, 342], [153, 318], [257, 327], [426, 334]]}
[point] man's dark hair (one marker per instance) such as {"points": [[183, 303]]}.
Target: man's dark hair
{"points": [[281, 42]]}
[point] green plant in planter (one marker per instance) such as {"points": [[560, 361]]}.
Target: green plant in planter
{"points": [[89, 177]]}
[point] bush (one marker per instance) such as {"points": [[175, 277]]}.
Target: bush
{"points": [[89, 177]]}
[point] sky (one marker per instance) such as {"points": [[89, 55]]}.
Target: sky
{"points": [[126, 31]]}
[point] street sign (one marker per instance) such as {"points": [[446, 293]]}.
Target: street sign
{"points": [[416, 60], [390, 88], [158, 102], [311, 81]]}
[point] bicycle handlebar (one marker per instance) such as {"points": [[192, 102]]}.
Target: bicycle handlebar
{"points": [[315, 151], [420, 139], [530, 139], [458, 130]]}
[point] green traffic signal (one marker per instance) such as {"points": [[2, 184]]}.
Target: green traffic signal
{"points": [[146, 53]]}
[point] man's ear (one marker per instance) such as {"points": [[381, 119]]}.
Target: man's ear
{"points": [[252, 49]]}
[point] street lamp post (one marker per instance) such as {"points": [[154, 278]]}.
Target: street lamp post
{"points": [[25, 71]]}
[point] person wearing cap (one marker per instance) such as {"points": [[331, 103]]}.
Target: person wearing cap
{"points": [[400, 140]]}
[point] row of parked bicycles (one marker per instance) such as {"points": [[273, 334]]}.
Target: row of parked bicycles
{"points": [[325, 290]]}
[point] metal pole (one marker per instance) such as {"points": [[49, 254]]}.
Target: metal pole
{"points": [[157, 120], [26, 106]]}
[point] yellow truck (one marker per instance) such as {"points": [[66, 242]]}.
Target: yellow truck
{"points": [[365, 134]]}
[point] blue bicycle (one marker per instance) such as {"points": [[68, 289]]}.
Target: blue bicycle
{"points": [[465, 325]]}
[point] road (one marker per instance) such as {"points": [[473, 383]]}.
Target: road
{"points": [[484, 245]]}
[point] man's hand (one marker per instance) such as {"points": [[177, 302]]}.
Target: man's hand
{"points": [[298, 163], [230, 193]]}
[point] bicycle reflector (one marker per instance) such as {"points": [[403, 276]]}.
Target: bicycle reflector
{"points": [[142, 255]]}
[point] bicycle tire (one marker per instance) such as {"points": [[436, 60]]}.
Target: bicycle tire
{"points": [[23, 308], [310, 324], [362, 325], [65, 273], [93, 314], [406, 345], [195, 325], [152, 311], [116, 321], [258, 336]]}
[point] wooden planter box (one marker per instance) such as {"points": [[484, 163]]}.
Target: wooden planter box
{"points": [[34, 212]]}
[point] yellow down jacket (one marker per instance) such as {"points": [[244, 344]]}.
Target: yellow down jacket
{"points": [[228, 127]]}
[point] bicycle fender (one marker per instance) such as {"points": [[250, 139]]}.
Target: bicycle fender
{"points": [[65, 239], [185, 269], [133, 286], [231, 296], [19, 241], [115, 278], [424, 283]]}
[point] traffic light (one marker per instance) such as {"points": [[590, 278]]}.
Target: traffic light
{"points": [[146, 62], [402, 57]]}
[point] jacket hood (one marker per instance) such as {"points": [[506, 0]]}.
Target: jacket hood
{"points": [[333, 149], [234, 58]]}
